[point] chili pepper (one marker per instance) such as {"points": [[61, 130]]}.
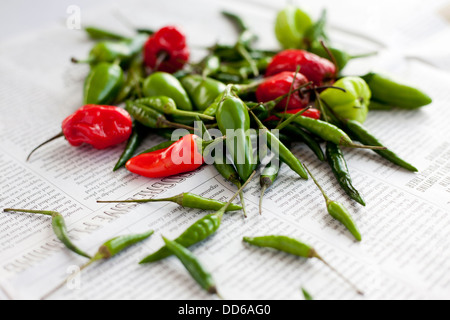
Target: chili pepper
{"points": [[280, 85], [338, 211], [188, 151], [100, 126], [242, 69], [307, 295], [296, 248], [303, 136], [150, 117], [361, 134], [135, 140], [167, 106], [228, 53], [166, 50], [59, 228], [103, 84], [290, 27], [193, 266], [111, 51], [202, 91], [232, 116], [339, 166], [132, 86], [164, 84], [107, 251], [395, 93], [199, 231], [281, 151], [313, 67], [186, 200], [210, 65], [267, 179], [102, 34], [353, 104], [328, 132]]}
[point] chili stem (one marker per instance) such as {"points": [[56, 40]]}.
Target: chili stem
{"points": [[358, 291], [284, 124], [46, 213], [332, 57], [59, 135], [297, 70], [327, 199]]}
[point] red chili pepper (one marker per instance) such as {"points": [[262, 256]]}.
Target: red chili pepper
{"points": [[279, 85], [183, 156], [100, 126], [167, 50], [310, 113], [315, 68]]}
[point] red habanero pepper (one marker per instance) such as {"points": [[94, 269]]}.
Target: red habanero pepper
{"points": [[279, 85], [313, 67], [183, 156], [100, 126], [166, 50], [310, 113]]}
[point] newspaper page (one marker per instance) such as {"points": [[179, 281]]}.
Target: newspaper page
{"points": [[405, 225]]}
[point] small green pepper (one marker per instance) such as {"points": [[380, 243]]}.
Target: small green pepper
{"points": [[139, 133], [353, 104], [193, 266], [290, 27], [131, 89], [394, 93], [165, 84], [59, 228], [103, 84], [202, 91]]}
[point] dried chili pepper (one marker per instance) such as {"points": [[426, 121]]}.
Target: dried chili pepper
{"points": [[166, 50], [100, 126], [313, 67], [188, 152]]}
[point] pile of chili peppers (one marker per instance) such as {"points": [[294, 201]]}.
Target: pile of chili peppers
{"points": [[146, 85]]}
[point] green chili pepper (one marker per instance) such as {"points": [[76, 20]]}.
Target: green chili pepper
{"points": [[394, 93], [232, 115], [267, 179], [132, 86], [328, 132], [165, 84], [111, 51], [353, 104], [339, 167], [139, 133], [103, 84], [291, 26], [59, 228], [360, 133], [307, 295], [338, 211], [298, 134], [296, 248], [186, 200], [281, 151], [242, 69], [202, 91], [167, 106], [150, 117], [192, 265], [199, 231], [108, 250], [102, 34]]}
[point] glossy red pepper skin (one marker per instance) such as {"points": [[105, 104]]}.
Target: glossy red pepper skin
{"points": [[160, 164], [171, 41], [100, 126], [310, 113], [279, 85], [313, 67]]}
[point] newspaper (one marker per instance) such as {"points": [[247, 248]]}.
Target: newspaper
{"points": [[405, 225]]}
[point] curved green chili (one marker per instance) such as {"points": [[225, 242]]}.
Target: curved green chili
{"points": [[139, 133], [296, 248], [199, 231], [59, 228], [339, 167], [102, 34], [192, 265], [186, 200]]}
